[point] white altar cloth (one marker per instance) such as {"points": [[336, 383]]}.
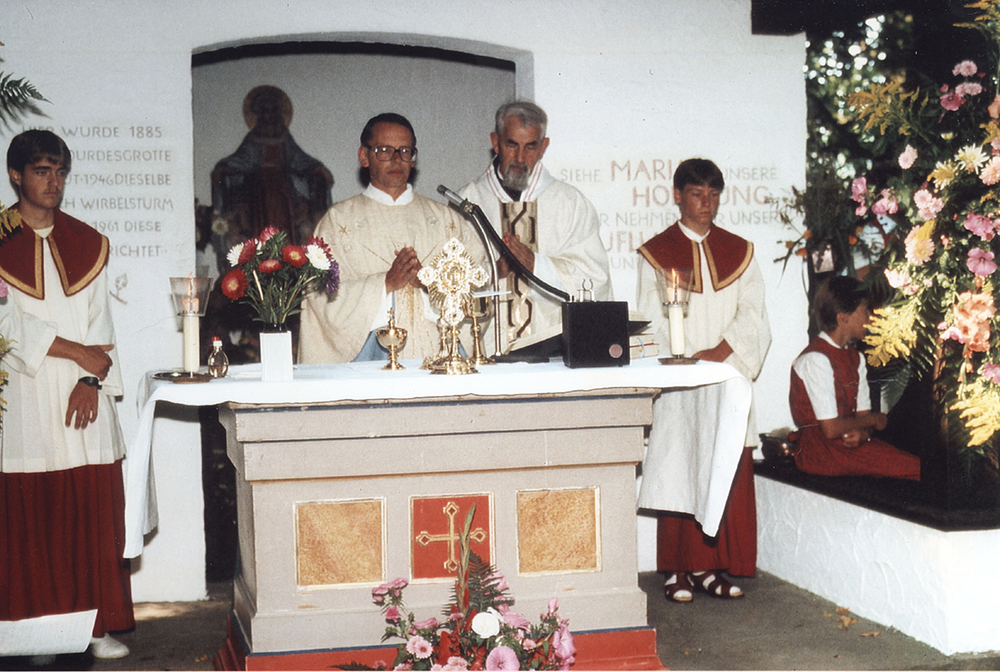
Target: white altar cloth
{"points": [[713, 401]]}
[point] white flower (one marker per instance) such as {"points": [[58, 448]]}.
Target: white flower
{"points": [[971, 158], [317, 257], [485, 624], [233, 257]]}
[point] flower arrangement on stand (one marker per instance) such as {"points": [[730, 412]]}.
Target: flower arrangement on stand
{"points": [[942, 317], [480, 630], [273, 276]]}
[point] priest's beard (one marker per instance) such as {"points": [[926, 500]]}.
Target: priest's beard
{"points": [[516, 176]]}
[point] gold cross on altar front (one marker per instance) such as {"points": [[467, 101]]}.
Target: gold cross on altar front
{"points": [[425, 538]]}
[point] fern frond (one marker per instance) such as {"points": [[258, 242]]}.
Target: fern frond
{"points": [[18, 98]]}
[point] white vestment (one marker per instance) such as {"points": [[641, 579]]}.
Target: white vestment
{"points": [[675, 478], [570, 249], [35, 436], [364, 236]]}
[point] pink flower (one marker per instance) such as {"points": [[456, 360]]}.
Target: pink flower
{"points": [[4, 289], [979, 225], [562, 644], [901, 280], [554, 603], [419, 647], [968, 89], [502, 584], [266, 234], [430, 624], [928, 204], [951, 101], [965, 69], [981, 262], [994, 108], [502, 658], [990, 174], [392, 614], [859, 187], [886, 205], [514, 619], [907, 158], [991, 372], [861, 210], [972, 315]]}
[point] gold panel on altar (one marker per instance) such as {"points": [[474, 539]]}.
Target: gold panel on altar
{"points": [[340, 542], [558, 531]]}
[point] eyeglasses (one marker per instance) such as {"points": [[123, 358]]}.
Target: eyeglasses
{"points": [[385, 153]]}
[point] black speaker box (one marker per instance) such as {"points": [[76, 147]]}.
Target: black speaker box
{"points": [[595, 333]]}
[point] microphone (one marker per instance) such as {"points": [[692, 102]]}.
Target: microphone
{"points": [[454, 198], [487, 233]]}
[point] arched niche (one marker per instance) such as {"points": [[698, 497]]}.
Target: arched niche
{"points": [[447, 88]]}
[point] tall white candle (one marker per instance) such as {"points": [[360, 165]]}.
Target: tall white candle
{"points": [[675, 313], [192, 351]]}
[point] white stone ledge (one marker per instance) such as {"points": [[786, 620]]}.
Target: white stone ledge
{"points": [[935, 586]]}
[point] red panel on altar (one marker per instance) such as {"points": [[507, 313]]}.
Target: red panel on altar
{"points": [[434, 525]]}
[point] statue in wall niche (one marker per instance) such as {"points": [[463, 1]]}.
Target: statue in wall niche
{"points": [[268, 181]]}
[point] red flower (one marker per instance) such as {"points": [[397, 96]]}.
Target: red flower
{"points": [[447, 647], [234, 285], [266, 234], [269, 266], [294, 255], [246, 253]]}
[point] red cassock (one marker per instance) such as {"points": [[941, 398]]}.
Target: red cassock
{"points": [[62, 532]]}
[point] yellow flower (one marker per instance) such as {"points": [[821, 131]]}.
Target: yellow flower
{"points": [[979, 406], [944, 174], [891, 333]]}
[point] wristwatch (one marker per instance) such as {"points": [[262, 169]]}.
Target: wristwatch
{"points": [[91, 381]]}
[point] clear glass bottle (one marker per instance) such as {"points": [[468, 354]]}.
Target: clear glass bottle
{"points": [[218, 363]]}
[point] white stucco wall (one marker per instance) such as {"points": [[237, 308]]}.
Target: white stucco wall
{"points": [[630, 90]]}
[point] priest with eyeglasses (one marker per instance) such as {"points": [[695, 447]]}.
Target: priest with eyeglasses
{"points": [[380, 238]]}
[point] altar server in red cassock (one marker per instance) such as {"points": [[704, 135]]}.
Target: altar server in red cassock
{"points": [[726, 322], [830, 398], [61, 491]]}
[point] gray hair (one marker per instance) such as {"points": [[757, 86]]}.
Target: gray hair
{"points": [[527, 113]]}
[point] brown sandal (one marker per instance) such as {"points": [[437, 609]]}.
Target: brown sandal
{"points": [[678, 587], [715, 584]]}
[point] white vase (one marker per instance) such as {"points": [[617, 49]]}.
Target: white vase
{"points": [[276, 356]]}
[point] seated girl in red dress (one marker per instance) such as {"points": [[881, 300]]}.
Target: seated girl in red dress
{"points": [[829, 394]]}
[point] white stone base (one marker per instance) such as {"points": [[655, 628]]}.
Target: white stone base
{"points": [[938, 587]]}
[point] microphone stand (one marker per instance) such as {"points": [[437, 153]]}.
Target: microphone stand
{"points": [[495, 247]]}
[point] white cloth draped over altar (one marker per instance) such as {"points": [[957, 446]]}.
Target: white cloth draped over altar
{"points": [[709, 409]]}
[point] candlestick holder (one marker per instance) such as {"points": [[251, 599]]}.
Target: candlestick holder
{"points": [[190, 297], [674, 285]]}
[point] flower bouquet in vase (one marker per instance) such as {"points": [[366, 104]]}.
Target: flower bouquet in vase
{"points": [[273, 277], [480, 630]]}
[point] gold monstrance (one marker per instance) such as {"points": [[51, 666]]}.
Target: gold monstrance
{"points": [[450, 279]]}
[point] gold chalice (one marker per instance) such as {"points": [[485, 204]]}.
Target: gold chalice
{"points": [[392, 338]]}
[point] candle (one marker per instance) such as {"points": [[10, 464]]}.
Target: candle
{"points": [[675, 313], [192, 350]]}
